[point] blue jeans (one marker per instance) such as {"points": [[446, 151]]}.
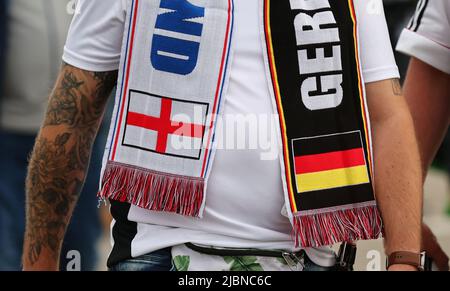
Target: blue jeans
{"points": [[310, 266], [162, 261], [154, 262]]}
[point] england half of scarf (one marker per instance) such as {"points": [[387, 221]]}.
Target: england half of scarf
{"points": [[173, 79]]}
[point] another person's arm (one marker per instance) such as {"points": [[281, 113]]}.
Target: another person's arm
{"points": [[427, 91], [398, 177], [60, 159]]}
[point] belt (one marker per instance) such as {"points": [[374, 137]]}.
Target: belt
{"points": [[293, 259]]}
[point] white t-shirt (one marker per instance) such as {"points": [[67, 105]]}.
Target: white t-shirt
{"points": [[245, 194], [427, 36]]}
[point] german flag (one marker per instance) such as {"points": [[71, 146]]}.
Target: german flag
{"points": [[330, 162]]}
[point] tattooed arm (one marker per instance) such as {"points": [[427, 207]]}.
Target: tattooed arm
{"points": [[60, 159]]}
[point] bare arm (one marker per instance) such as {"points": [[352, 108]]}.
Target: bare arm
{"points": [[398, 175], [60, 160], [427, 91]]}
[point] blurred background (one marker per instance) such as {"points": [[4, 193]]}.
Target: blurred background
{"points": [[32, 36]]}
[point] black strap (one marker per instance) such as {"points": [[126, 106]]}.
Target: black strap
{"points": [[237, 252]]}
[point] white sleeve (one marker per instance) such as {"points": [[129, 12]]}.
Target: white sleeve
{"points": [[377, 56], [427, 36], [95, 36]]}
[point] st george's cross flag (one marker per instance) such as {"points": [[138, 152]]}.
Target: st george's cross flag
{"points": [[165, 125]]}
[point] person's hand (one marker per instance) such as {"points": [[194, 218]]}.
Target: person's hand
{"points": [[432, 248], [404, 268]]}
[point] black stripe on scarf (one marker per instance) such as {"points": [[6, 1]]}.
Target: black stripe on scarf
{"points": [[302, 122]]}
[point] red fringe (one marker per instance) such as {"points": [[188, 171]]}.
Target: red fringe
{"points": [[324, 229], [153, 190]]}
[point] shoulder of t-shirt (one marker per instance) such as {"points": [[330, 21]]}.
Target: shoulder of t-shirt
{"points": [[374, 41], [426, 37], [94, 20], [101, 7]]}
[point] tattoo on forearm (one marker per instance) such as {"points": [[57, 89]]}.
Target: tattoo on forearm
{"points": [[50, 194], [58, 164], [397, 87]]}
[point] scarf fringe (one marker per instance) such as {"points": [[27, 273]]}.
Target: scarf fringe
{"points": [[153, 190], [363, 223]]}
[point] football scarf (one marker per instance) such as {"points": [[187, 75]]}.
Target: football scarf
{"points": [[172, 84]]}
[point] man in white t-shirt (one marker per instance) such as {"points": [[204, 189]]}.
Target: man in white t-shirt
{"points": [[245, 191], [427, 87]]}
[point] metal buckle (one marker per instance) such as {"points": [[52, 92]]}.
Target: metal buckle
{"points": [[423, 257], [294, 261]]}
